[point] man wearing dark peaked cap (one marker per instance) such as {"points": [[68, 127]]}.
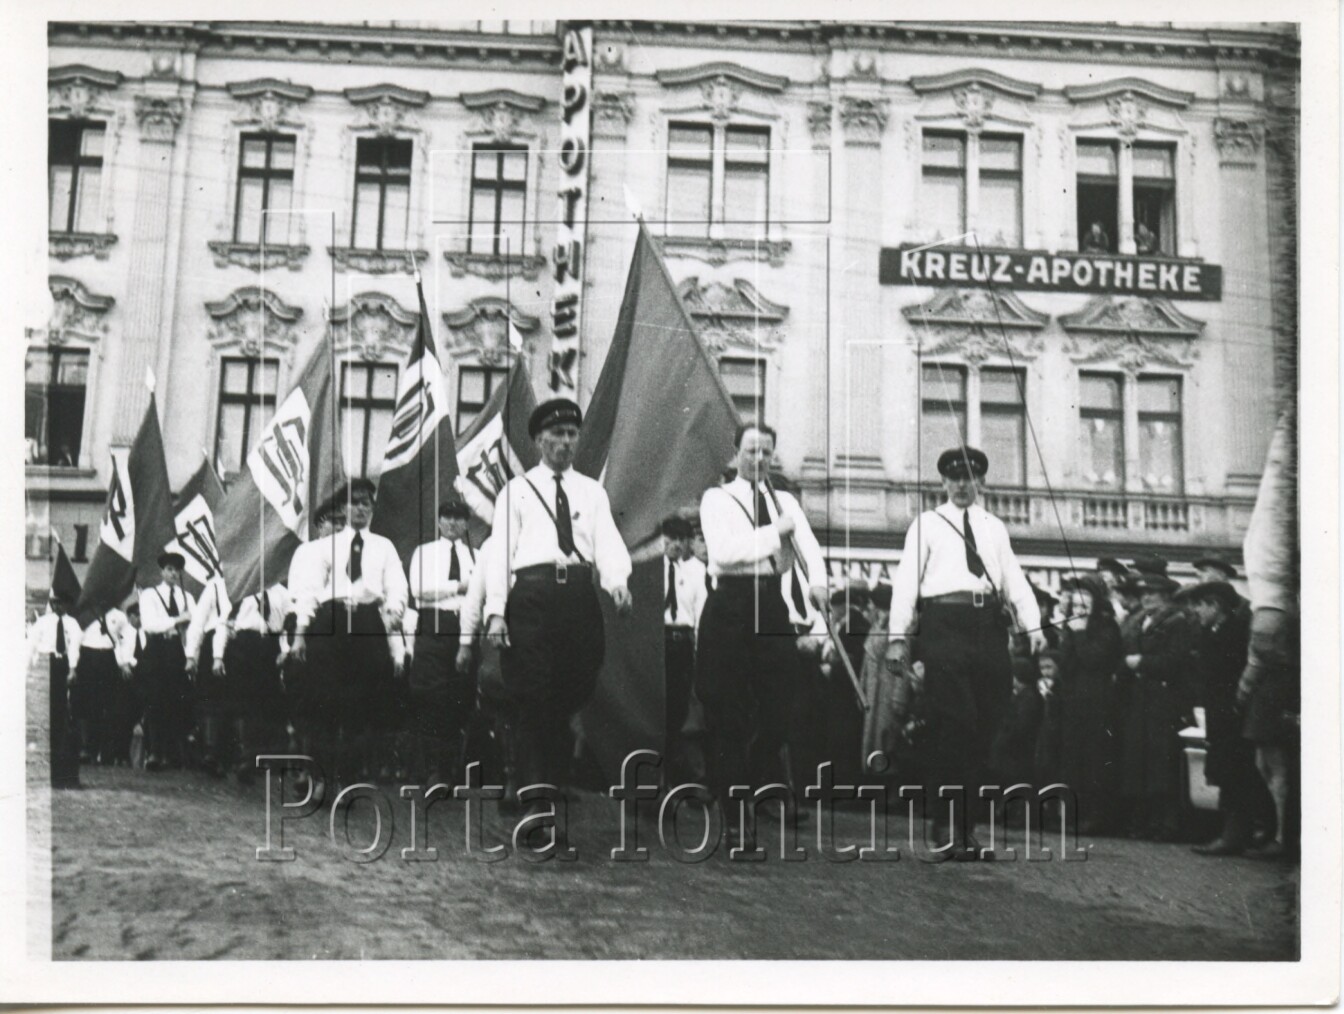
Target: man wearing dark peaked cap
{"points": [[558, 542], [956, 575]]}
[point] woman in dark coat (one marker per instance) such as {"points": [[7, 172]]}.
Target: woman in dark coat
{"points": [[1157, 670], [1090, 736]]}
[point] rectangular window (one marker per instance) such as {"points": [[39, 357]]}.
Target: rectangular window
{"points": [[55, 380], [1160, 451], [690, 179], [746, 179], [475, 385], [944, 191], [1101, 431], [942, 417], [1003, 424], [498, 200], [368, 399], [999, 219], [74, 175], [247, 389], [265, 188], [745, 381], [1155, 199], [1098, 196], [382, 194]]}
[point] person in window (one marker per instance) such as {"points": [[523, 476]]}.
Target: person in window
{"points": [[1145, 240], [1096, 240], [64, 458]]}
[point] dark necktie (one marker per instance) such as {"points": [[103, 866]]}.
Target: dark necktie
{"points": [[709, 582], [265, 611], [454, 568], [973, 562], [796, 593], [355, 568], [564, 525], [139, 645], [762, 509], [102, 622], [60, 635], [172, 602], [670, 602]]}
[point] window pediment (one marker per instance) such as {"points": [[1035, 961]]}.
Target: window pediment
{"points": [[1151, 318], [254, 321], [481, 329], [1128, 107], [76, 312], [269, 104], [387, 107], [372, 326], [1131, 86], [972, 99], [975, 326], [984, 79], [76, 90], [722, 71], [733, 316], [502, 109]]}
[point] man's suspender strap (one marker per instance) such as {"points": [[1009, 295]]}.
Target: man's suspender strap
{"points": [[551, 514], [797, 572], [962, 537]]}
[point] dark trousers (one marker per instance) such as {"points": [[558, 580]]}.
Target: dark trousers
{"points": [[746, 670], [253, 699], [967, 688], [557, 644], [167, 693], [93, 702], [679, 666], [441, 698], [64, 751], [349, 690]]}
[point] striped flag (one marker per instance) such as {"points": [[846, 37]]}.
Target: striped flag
{"points": [[137, 521], [496, 447], [268, 509], [420, 459], [194, 519]]}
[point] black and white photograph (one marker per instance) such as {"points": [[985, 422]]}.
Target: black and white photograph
{"points": [[603, 496]]}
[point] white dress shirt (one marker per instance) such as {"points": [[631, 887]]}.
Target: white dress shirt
{"points": [[430, 566], [208, 616], [251, 616], [326, 578], [737, 548], [304, 568], [104, 633], [690, 592], [154, 618], [934, 563], [473, 599], [130, 638], [42, 637], [526, 526]]}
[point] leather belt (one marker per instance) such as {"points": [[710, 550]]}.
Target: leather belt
{"points": [[555, 573], [980, 600], [679, 632]]}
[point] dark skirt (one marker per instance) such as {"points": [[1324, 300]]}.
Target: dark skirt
{"points": [[96, 686], [252, 676]]}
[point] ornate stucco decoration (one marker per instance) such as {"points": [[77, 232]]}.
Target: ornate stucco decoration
{"points": [[376, 262], [269, 104], [494, 266], [973, 98], [158, 117], [717, 252], [386, 107], [79, 91], [863, 119], [733, 316], [66, 245], [255, 321], [612, 113], [1129, 106], [819, 122], [76, 312], [722, 85], [501, 110], [373, 326], [977, 325], [256, 257], [480, 330], [1239, 141], [1131, 332]]}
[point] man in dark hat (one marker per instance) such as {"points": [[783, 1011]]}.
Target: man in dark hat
{"points": [[56, 637], [165, 612], [1221, 644], [1215, 567], [344, 606], [956, 576], [1159, 703], [441, 697], [557, 541], [1149, 564]]}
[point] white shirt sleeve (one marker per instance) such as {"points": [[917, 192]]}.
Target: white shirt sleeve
{"points": [[613, 559], [309, 573], [1015, 585], [805, 540], [905, 583], [395, 588], [213, 607], [730, 537], [503, 531]]}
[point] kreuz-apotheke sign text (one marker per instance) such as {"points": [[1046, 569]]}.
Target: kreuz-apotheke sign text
{"points": [[1043, 271]]}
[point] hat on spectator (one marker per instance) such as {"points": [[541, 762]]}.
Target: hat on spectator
{"points": [[1113, 565], [1210, 591], [1217, 561], [1149, 564], [171, 559]]}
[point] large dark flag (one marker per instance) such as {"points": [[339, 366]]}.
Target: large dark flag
{"points": [[64, 580], [194, 520], [496, 447], [658, 432], [420, 460], [137, 521], [267, 511]]}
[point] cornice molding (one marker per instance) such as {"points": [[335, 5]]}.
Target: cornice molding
{"points": [[287, 90], [81, 72], [386, 92], [701, 73], [503, 96], [1121, 86], [1025, 90]]}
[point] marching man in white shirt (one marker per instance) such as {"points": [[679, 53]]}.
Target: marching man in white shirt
{"points": [[442, 696], [211, 698], [747, 663], [246, 654], [165, 610], [684, 597], [56, 635], [96, 687], [351, 597], [955, 575], [556, 540]]}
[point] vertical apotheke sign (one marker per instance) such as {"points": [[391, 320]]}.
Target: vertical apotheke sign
{"points": [[567, 258]]}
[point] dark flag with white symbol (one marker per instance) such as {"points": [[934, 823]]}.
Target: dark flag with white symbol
{"points": [[267, 511], [194, 519], [137, 521], [496, 447], [420, 459]]}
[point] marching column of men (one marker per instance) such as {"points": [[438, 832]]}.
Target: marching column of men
{"points": [[973, 676]]}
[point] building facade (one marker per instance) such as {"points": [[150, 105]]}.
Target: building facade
{"points": [[1053, 239]]}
